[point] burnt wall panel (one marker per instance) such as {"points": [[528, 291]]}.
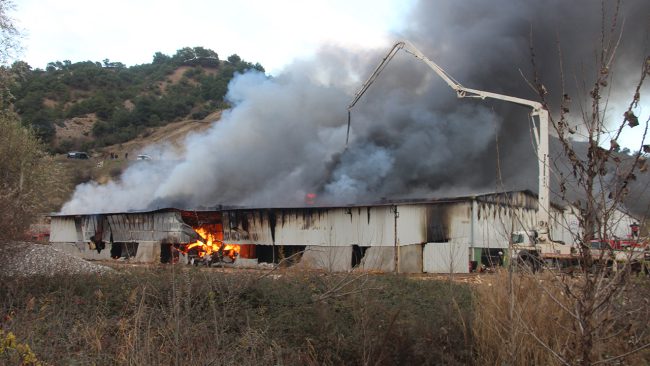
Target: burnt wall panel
{"points": [[153, 227], [248, 227], [439, 222]]}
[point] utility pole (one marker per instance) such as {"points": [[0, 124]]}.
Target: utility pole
{"points": [[395, 243]]}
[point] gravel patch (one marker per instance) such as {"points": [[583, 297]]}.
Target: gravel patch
{"points": [[32, 259]]}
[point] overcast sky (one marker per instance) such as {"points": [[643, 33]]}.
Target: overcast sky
{"points": [[269, 32]]}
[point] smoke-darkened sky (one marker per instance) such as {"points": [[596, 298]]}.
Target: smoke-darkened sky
{"points": [[410, 136]]}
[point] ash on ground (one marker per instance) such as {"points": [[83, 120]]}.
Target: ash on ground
{"points": [[33, 259]]}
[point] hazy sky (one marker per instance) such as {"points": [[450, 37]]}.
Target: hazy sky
{"points": [[269, 32]]}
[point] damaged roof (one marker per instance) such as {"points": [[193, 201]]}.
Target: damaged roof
{"points": [[490, 197]]}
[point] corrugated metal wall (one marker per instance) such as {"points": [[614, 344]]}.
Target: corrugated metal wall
{"points": [[453, 226], [62, 229], [156, 226], [127, 227], [364, 226], [247, 227], [494, 220], [446, 258]]}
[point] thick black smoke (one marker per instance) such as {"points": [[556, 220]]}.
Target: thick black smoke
{"points": [[487, 46], [410, 137]]}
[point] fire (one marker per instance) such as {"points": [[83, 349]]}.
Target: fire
{"points": [[310, 198], [212, 246]]}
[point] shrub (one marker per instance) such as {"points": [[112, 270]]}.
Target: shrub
{"points": [[27, 174]]}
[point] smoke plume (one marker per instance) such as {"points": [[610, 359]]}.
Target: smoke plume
{"points": [[284, 137]]}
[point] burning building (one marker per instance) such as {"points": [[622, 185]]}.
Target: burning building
{"points": [[283, 138], [410, 236]]}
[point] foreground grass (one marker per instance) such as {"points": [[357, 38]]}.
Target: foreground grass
{"points": [[179, 315], [535, 324]]}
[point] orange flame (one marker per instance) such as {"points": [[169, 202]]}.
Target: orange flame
{"points": [[212, 243]]}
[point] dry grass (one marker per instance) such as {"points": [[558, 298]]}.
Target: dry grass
{"points": [[538, 327], [179, 315], [173, 315]]}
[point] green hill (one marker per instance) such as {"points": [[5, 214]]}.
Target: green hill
{"points": [[115, 103]]}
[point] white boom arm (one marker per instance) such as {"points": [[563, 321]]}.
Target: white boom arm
{"points": [[463, 92]]}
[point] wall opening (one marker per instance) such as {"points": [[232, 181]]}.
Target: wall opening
{"points": [[492, 257], [165, 252], [357, 255], [285, 254], [264, 253], [116, 250], [124, 250], [290, 255]]}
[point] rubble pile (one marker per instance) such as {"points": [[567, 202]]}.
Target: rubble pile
{"points": [[32, 259]]}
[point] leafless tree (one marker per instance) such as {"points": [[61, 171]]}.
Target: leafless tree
{"points": [[589, 314], [605, 273]]}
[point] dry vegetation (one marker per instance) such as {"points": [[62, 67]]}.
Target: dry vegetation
{"points": [[537, 325], [182, 316], [27, 176], [170, 314]]}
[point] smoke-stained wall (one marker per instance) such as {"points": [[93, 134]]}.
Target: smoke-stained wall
{"points": [[284, 136]]}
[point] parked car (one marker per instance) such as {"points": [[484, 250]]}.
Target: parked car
{"points": [[143, 157], [78, 155]]}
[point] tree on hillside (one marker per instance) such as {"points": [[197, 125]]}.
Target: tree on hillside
{"points": [[196, 56], [160, 58], [9, 47], [9, 34], [123, 100], [234, 59]]}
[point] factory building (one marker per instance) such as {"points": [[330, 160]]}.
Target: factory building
{"points": [[408, 236]]}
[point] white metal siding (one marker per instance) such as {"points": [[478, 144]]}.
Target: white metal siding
{"points": [[620, 224], [493, 224], [364, 226], [446, 257], [62, 230], [257, 222]]}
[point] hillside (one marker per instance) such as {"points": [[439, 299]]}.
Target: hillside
{"points": [[91, 105], [101, 168]]}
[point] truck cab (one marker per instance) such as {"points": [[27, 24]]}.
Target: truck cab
{"points": [[531, 249]]}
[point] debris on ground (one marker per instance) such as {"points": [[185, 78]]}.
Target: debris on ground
{"points": [[33, 259]]}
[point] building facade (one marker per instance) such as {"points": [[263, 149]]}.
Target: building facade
{"points": [[409, 236]]}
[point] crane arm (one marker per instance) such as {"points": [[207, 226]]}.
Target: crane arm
{"points": [[463, 92], [389, 56], [460, 90]]}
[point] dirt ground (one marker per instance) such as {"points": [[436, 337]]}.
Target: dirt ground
{"points": [[171, 135], [75, 129]]}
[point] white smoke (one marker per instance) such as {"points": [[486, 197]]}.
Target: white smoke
{"points": [[270, 148]]}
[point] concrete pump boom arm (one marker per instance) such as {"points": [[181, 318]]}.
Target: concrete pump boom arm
{"points": [[463, 92]]}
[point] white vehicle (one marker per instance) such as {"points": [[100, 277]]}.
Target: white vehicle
{"points": [[529, 250], [143, 157]]}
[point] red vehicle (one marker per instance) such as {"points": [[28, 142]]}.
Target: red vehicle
{"points": [[616, 244]]}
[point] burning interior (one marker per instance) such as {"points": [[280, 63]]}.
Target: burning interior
{"points": [[207, 246]]}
